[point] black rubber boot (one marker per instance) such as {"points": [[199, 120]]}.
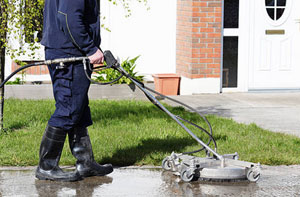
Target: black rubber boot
{"points": [[81, 148], [50, 152]]}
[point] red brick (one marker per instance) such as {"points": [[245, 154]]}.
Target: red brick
{"points": [[199, 4], [218, 19], [198, 76], [207, 40], [214, 4], [212, 76], [214, 35], [206, 61], [206, 9], [213, 65], [199, 24], [206, 30], [217, 70], [198, 53], [214, 45], [198, 45], [207, 19], [217, 50], [195, 30], [218, 9], [206, 71], [214, 55], [206, 50], [199, 65]]}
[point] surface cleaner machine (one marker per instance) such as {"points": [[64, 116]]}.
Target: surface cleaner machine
{"points": [[213, 167]]}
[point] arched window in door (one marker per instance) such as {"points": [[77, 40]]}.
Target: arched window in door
{"points": [[275, 8]]}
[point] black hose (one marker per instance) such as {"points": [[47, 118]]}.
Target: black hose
{"points": [[210, 134], [105, 83], [18, 70], [183, 104], [47, 62], [211, 138], [122, 72]]}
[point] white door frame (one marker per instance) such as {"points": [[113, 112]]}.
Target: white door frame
{"points": [[243, 46]]}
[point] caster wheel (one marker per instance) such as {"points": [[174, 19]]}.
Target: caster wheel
{"points": [[236, 156], [166, 164], [186, 175], [253, 176]]}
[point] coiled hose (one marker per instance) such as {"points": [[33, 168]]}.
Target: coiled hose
{"points": [[113, 64]]}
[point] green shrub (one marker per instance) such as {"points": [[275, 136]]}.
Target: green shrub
{"points": [[17, 81], [111, 74]]}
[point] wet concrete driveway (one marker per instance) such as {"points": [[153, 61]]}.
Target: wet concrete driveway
{"points": [[275, 181]]}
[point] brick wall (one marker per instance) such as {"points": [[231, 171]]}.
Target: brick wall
{"points": [[34, 70], [198, 46]]}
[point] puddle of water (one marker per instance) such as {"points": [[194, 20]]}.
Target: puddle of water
{"points": [[149, 182]]}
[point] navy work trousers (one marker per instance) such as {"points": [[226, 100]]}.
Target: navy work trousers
{"points": [[70, 89]]}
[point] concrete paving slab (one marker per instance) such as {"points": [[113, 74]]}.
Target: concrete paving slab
{"points": [[278, 112], [275, 181]]}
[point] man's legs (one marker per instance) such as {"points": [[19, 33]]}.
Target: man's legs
{"points": [[79, 139], [58, 126], [70, 88]]}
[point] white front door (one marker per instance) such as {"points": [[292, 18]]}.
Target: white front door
{"points": [[274, 44]]}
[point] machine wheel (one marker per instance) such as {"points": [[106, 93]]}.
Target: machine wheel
{"points": [[252, 176], [166, 164], [186, 175]]}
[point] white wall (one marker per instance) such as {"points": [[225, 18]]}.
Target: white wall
{"points": [[151, 34], [199, 85]]}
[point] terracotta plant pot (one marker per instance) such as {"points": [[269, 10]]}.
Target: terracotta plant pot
{"points": [[167, 84]]}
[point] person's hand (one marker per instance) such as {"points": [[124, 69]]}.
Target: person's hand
{"points": [[96, 58]]}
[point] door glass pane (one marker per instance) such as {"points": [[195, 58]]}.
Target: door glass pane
{"points": [[271, 13], [279, 13], [275, 8], [230, 61], [281, 2], [270, 2], [231, 14]]}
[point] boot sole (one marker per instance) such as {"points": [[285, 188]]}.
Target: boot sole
{"points": [[90, 174], [43, 177]]}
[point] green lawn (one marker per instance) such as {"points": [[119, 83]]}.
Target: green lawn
{"points": [[137, 133]]}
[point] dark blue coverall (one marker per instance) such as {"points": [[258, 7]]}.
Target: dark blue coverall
{"points": [[71, 29]]}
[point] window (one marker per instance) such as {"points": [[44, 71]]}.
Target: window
{"points": [[230, 44], [230, 61], [275, 8], [231, 14]]}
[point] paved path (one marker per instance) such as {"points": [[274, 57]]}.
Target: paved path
{"points": [[279, 112], [275, 181]]}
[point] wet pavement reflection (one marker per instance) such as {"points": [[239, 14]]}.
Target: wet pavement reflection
{"points": [[275, 181]]}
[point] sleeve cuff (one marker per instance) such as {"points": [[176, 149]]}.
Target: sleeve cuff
{"points": [[92, 51]]}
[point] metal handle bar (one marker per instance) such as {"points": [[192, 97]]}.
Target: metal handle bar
{"points": [[65, 60], [46, 62], [114, 64], [157, 103]]}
